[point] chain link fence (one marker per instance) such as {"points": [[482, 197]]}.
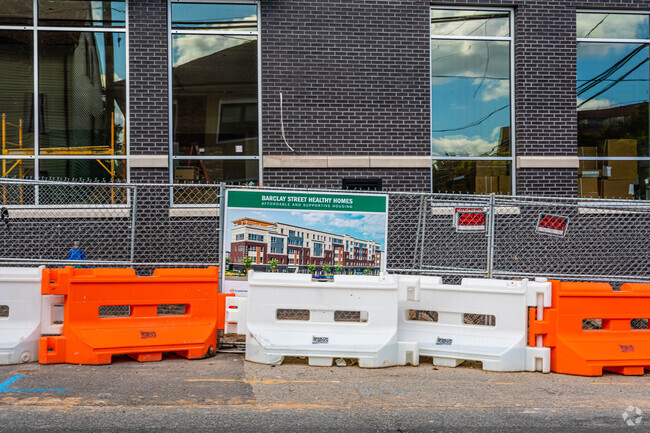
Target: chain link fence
{"points": [[454, 236]]}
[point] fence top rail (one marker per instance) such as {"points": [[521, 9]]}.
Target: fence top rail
{"points": [[461, 199]]}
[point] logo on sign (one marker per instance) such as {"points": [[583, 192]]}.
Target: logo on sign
{"points": [[147, 334], [552, 225], [320, 340], [469, 219], [626, 348], [443, 341]]}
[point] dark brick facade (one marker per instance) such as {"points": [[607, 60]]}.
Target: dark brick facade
{"points": [[149, 109], [354, 75], [548, 181], [414, 179], [355, 80]]}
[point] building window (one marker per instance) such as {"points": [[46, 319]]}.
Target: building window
{"points": [[214, 102], [65, 118], [613, 94], [256, 238], [471, 100]]}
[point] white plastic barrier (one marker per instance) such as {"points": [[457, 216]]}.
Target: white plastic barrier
{"points": [[350, 317], [236, 315], [479, 320], [21, 308]]}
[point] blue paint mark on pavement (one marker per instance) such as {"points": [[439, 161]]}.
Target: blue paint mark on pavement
{"points": [[4, 386], [7, 383]]}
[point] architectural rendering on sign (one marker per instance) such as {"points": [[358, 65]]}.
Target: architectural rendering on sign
{"points": [[299, 247]]}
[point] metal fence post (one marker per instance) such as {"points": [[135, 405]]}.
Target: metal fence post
{"points": [[422, 228], [490, 235], [134, 215], [220, 228]]}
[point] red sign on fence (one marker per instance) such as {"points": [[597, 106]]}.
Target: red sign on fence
{"points": [[469, 219], [552, 225]]}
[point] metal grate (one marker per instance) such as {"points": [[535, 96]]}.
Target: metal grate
{"points": [[592, 324], [639, 324], [289, 314], [350, 316], [479, 319], [422, 315], [114, 311], [171, 309], [4, 311]]}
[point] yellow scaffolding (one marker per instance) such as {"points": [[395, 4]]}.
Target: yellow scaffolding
{"points": [[18, 150]]}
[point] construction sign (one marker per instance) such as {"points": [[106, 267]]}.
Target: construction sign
{"points": [[324, 234]]}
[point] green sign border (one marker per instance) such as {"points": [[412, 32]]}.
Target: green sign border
{"points": [[306, 201]]}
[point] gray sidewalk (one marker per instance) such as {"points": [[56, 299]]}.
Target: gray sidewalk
{"points": [[226, 393]]}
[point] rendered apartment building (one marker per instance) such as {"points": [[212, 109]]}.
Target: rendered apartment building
{"points": [[530, 97], [298, 247]]}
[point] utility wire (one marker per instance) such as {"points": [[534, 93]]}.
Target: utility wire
{"points": [[614, 83], [282, 127], [475, 123]]}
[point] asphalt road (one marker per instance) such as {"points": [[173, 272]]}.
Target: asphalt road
{"points": [[225, 393]]}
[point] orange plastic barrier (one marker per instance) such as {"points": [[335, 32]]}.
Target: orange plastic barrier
{"points": [[112, 311], [616, 347]]}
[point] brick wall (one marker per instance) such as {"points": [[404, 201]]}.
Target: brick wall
{"points": [[416, 180], [562, 182], [148, 77], [354, 75], [355, 79]]}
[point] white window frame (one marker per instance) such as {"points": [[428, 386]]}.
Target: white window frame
{"points": [[512, 158], [36, 158], [170, 61]]}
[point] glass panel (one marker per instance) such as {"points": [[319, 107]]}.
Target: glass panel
{"points": [[472, 177], [16, 12], [470, 108], [96, 170], [469, 23], [612, 99], [614, 179], [215, 95], [612, 26], [82, 170], [232, 171], [17, 169], [82, 93], [17, 91], [75, 13], [234, 17]]}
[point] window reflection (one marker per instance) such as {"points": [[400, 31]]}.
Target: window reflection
{"points": [[103, 170], [17, 169], [612, 26], [196, 16], [17, 91], [215, 95], [470, 87], [233, 171], [447, 22], [472, 177], [75, 13], [613, 99], [82, 93], [14, 12]]}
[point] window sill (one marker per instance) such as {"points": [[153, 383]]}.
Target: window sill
{"points": [[498, 210], [55, 213], [190, 212]]}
